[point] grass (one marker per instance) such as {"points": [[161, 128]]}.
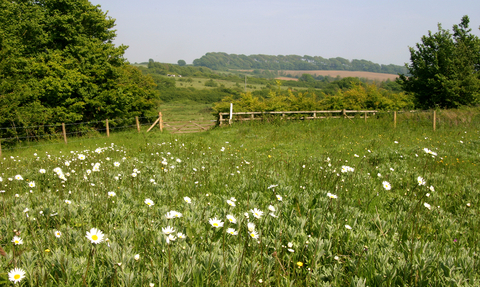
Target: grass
{"points": [[335, 225]]}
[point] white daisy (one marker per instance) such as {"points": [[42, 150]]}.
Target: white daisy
{"points": [[257, 213], [149, 202], [16, 275], [95, 236], [215, 222]]}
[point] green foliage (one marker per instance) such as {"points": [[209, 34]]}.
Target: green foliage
{"points": [[181, 63], [445, 68], [224, 61], [354, 96], [58, 64]]}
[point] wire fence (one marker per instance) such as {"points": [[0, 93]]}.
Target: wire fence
{"points": [[18, 137]]}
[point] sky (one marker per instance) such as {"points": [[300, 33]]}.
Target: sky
{"points": [[380, 31]]}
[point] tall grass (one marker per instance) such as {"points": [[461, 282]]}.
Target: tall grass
{"points": [[335, 225]]}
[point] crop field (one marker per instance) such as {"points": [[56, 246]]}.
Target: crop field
{"points": [[318, 203], [343, 74]]}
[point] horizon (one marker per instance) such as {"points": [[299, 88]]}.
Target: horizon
{"points": [[376, 31]]}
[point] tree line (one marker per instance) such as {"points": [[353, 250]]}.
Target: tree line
{"points": [[222, 61]]}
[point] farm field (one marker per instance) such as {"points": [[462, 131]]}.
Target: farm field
{"points": [[343, 74], [317, 203]]}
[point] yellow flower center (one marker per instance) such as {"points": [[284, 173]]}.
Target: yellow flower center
{"points": [[252, 234], [16, 241], [215, 224], [94, 237], [16, 276]]}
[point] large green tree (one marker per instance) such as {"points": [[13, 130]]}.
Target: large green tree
{"points": [[58, 64], [445, 68]]}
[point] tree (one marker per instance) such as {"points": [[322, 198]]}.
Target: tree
{"points": [[181, 63], [58, 64], [444, 68]]}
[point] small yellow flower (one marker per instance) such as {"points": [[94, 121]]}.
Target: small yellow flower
{"points": [[47, 250], [300, 264]]}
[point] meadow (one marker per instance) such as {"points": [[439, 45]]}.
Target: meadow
{"points": [[315, 203]]}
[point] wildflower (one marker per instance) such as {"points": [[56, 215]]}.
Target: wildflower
{"points": [[272, 186], [18, 177], [421, 181], [386, 185], [246, 215], [96, 167], [331, 195], [16, 275], [173, 214], [432, 189], [256, 212], [290, 244], [26, 210], [336, 258], [231, 203], [253, 234], [179, 160], [272, 215], [136, 257], [42, 170], [149, 202], [81, 157], [291, 250], [251, 226], [116, 164], [168, 230], [187, 199], [231, 218], [58, 234], [279, 197], [271, 208], [17, 240], [299, 264], [31, 184], [346, 168], [232, 231], [111, 194], [348, 227], [47, 250], [181, 235], [134, 174], [215, 222], [170, 238], [68, 201], [95, 236], [427, 206]]}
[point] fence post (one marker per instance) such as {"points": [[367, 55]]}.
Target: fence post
{"points": [[108, 129], [395, 119], [344, 113], [138, 124], [160, 123], [64, 133], [365, 115], [231, 111], [434, 120], [220, 118]]}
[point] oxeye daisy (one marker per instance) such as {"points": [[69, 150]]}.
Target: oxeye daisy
{"points": [[68, 201], [111, 194], [116, 164], [251, 226], [181, 235], [31, 184], [331, 195], [17, 240], [279, 197], [95, 236], [232, 231], [149, 202], [231, 203], [348, 227], [168, 230], [386, 185], [58, 234], [16, 275], [257, 213], [187, 199], [253, 234], [136, 257], [18, 177], [170, 238], [215, 222], [421, 181], [231, 218], [42, 170], [427, 205]]}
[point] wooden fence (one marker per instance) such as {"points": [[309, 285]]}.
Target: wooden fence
{"points": [[181, 127], [288, 115]]}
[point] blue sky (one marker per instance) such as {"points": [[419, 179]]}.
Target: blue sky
{"points": [[378, 30]]}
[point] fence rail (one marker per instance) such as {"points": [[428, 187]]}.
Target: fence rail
{"points": [[249, 116]]}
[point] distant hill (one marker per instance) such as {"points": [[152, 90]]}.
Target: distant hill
{"points": [[223, 61]]}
